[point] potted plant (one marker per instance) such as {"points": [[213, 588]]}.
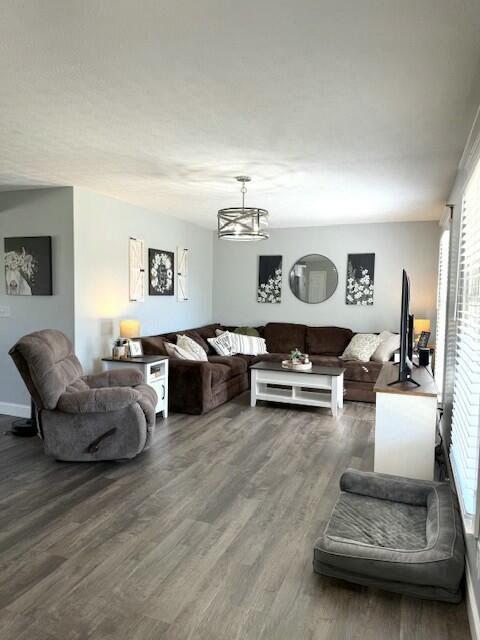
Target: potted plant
{"points": [[119, 349]]}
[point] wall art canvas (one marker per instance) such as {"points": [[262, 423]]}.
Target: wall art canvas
{"points": [[269, 279], [360, 279], [160, 270], [136, 266], [28, 266], [182, 274]]}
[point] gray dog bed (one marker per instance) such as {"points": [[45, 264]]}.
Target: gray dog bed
{"points": [[396, 534]]}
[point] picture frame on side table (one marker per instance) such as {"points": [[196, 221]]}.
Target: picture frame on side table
{"points": [[135, 348]]}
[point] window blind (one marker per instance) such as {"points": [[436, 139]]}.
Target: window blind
{"points": [[464, 451], [442, 291]]}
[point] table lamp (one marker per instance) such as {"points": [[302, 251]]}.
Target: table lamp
{"points": [[129, 328], [420, 324]]}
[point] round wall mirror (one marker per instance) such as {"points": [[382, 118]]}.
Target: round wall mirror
{"points": [[313, 278]]}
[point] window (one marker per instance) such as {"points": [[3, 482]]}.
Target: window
{"points": [[442, 291], [464, 450]]}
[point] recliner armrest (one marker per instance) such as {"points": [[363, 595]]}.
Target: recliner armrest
{"points": [[387, 487], [98, 400], [126, 377]]}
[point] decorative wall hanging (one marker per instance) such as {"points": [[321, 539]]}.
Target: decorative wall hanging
{"points": [[269, 279], [360, 279], [182, 274], [313, 278], [160, 270], [28, 266], [136, 262]]}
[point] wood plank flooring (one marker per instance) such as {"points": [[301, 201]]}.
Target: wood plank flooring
{"points": [[208, 535]]}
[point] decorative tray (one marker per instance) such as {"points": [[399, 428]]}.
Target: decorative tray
{"points": [[288, 364]]}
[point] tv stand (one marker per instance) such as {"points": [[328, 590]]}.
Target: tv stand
{"points": [[405, 424]]}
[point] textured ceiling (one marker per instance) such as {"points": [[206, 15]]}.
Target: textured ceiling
{"points": [[341, 111]]}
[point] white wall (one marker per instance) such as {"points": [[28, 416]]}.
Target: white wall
{"points": [[102, 227], [36, 212], [409, 245]]}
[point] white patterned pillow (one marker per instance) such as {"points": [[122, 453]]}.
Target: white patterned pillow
{"points": [[361, 347], [174, 351], [188, 344], [248, 345], [222, 344]]}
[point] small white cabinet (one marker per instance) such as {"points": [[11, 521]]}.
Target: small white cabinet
{"points": [[405, 424], [154, 370]]}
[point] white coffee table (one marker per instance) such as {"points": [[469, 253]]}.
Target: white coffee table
{"points": [[318, 387]]}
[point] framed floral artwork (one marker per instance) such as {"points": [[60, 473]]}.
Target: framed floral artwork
{"points": [[269, 290], [161, 272], [28, 266], [360, 279]]}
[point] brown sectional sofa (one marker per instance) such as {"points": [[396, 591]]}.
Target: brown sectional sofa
{"points": [[198, 387]]}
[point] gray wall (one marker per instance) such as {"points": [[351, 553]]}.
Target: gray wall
{"points": [[409, 245], [35, 212], [103, 226]]}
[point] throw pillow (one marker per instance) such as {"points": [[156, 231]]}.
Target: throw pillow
{"points": [[248, 345], [385, 350], [361, 347], [174, 351], [222, 344], [194, 335], [190, 345], [247, 331]]}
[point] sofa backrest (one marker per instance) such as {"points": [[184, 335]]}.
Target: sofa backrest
{"points": [[155, 345], [327, 341], [283, 337], [47, 364]]}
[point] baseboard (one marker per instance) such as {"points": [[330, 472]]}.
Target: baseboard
{"points": [[472, 607], [17, 410]]}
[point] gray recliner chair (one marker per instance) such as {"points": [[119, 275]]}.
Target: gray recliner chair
{"points": [[396, 534], [108, 416]]}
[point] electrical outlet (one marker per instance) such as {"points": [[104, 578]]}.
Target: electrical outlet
{"points": [[4, 312]]}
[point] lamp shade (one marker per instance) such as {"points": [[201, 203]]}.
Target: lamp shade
{"points": [[421, 324], [129, 328]]}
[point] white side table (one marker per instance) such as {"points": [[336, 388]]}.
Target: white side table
{"points": [[154, 370]]}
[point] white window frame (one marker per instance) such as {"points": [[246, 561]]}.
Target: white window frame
{"points": [[442, 310], [466, 414]]}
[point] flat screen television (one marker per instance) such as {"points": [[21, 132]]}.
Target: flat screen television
{"points": [[406, 336]]}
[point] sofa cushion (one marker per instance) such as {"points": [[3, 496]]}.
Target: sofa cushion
{"points": [[189, 343], [283, 337], [361, 371], [154, 345], [196, 337], [330, 341], [389, 344], [361, 347], [236, 365]]}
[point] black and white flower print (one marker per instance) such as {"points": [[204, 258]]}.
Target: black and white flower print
{"points": [[360, 279]]}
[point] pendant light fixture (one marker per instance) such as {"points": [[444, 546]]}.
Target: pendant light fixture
{"points": [[243, 224]]}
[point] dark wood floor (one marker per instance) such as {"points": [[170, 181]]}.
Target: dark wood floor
{"points": [[208, 535]]}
